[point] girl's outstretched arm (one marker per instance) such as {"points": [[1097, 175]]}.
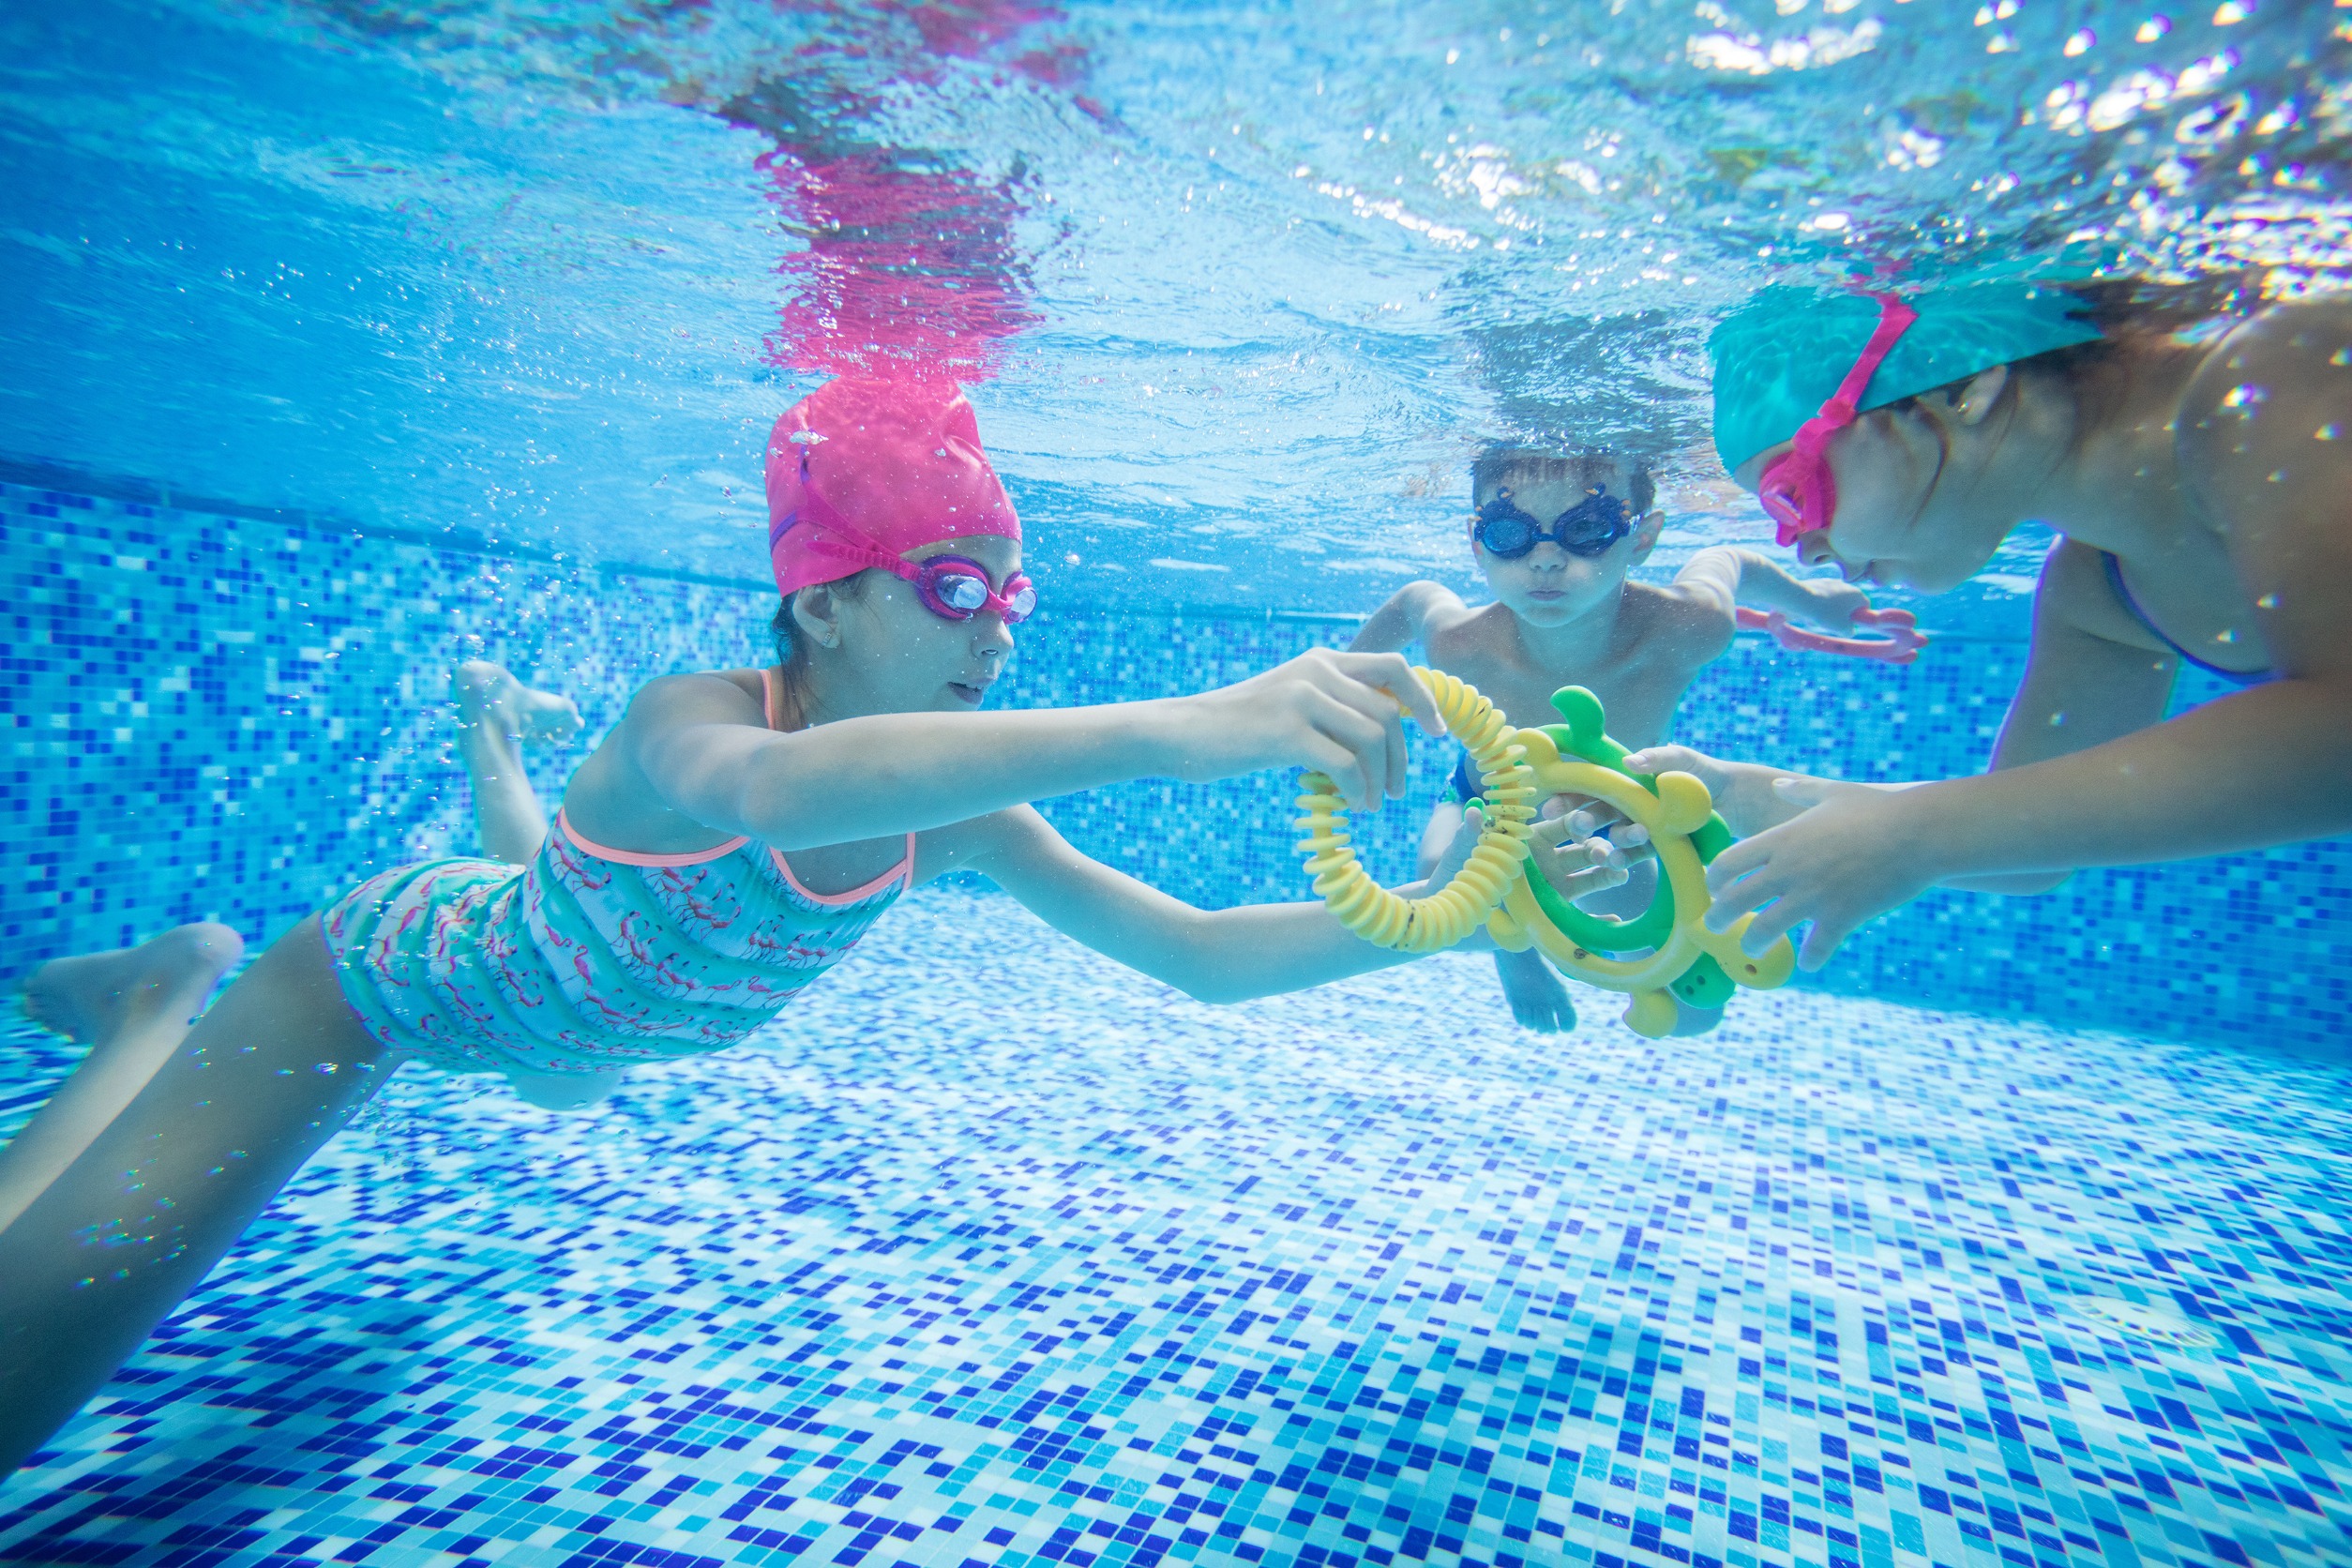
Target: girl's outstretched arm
{"points": [[1209, 954], [2272, 765], [694, 748]]}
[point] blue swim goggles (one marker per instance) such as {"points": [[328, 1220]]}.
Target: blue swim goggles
{"points": [[1591, 527]]}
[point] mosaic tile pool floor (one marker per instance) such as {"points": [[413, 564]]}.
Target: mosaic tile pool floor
{"points": [[1049, 1265]]}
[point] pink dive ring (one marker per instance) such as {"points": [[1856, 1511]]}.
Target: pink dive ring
{"points": [[1901, 644]]}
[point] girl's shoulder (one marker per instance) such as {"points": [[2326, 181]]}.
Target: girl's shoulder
{"points": [[702, 696], [2291, 354], [2265, 412]]}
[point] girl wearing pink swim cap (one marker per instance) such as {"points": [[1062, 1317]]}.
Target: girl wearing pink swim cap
{"points": [[730, 838]]}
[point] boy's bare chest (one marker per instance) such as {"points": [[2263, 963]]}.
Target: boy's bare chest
{"points": [[1639, 693]]}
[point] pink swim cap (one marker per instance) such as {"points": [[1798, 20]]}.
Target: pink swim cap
{"points": [[861, 472]]}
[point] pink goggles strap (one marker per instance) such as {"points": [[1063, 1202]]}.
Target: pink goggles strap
{"points": [[1894, 319], [1805, 454]]}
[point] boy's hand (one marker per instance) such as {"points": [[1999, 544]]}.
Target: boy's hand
{"points": [[1339, 713], [1595, 825], [1575, 870], [1851, 851], [1576, 864]]}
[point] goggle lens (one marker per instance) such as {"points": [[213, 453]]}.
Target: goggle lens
{"points": [[959, 589], [1788, 494], [1592, 527], [1510, 535], [959, 592]]}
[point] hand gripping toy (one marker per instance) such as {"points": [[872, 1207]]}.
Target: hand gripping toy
{"points": [[1673, 950], [1901, 646], [1432, 924]]}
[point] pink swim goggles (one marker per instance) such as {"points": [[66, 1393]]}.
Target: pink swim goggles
{"points": [[955, 589], [952, 587], [1797, 490]]}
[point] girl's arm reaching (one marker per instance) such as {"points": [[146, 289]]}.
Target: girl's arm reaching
{"points": [[1209, 954], [1723, 577], [1405, 619], [2272, 765], [694, 762]]}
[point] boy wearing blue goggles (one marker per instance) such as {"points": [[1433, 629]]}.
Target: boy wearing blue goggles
{"points": [[1554, 537]]}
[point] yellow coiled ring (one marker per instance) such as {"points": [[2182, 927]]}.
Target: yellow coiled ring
{"points": [[1507, 786]]}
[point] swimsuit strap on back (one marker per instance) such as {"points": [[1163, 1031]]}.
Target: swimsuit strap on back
{"points": [[2123, 597], [772, 686]]}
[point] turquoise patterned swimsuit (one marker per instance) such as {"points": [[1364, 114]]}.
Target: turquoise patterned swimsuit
{"points": [[589, 958]]}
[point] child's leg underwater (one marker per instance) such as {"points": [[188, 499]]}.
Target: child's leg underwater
{"points": [[133, 1008], [1538, 999], [496, 713], [106, 1250]]}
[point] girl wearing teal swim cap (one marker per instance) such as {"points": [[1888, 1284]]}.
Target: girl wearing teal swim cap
{"points": [[2202, 484]]}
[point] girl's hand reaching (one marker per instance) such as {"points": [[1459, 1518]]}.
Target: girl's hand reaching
{"points": [[1809, 849], [1847, 852], [1341, 714], [1745, 792]]}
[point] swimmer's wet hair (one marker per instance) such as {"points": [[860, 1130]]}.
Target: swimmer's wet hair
{"points": [[783, 628], [1499, 465]]}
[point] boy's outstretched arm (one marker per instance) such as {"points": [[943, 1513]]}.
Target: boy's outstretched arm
{"points": [[1402, 620], [1721, 578]]}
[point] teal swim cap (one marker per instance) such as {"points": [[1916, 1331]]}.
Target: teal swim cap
{"points": [[1781, 355]]}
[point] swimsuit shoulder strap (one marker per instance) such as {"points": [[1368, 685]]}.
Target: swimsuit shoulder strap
{"points": [[2123, 594], [631, 857], [772, 696]]}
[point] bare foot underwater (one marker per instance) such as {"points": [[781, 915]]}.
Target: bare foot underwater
{"points": [[93, 997], [133, 1008]]}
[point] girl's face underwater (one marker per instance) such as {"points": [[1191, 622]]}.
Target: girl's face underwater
{"points": [[895, 655], [1909, 477]]}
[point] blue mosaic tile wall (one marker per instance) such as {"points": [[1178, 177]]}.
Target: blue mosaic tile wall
{"points": [[1365, 1276], [214, 715]]}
